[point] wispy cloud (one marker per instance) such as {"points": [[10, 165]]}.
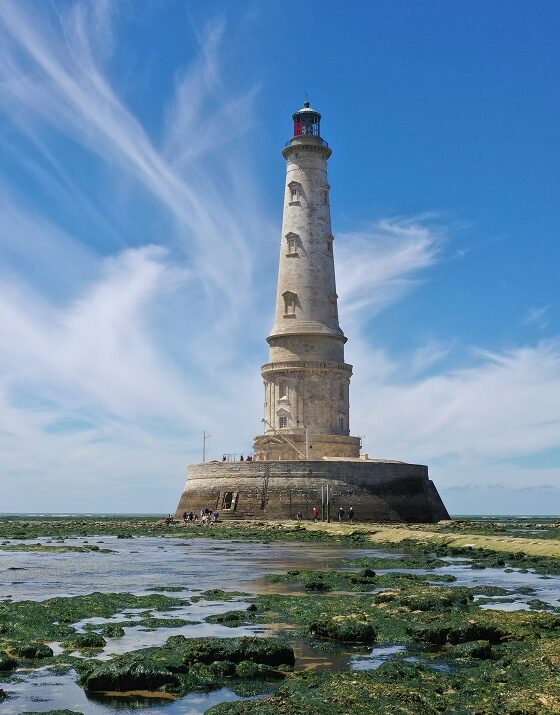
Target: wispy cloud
{"points": [[538, 317], [379, 266]]}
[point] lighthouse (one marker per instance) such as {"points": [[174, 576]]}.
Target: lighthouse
{"points": [[306, 381], [306, 450]]}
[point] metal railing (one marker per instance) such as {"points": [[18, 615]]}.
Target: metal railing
{"points": [[312, 364], [322, 142]]}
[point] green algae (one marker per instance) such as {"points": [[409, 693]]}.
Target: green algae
{"points": [[32, 622], [347, 630], [112, 630], [82, 641], [186, 664], [481, 686], [217, 594], [234, 619], [57, 549]]}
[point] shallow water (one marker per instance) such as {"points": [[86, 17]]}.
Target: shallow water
{"points": [[145, 563], [42, 691], [141, 565]]}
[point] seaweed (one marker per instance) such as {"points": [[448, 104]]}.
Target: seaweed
{"points": [[186, 664]]}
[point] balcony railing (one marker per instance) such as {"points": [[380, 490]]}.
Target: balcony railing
{"points": [[321, 142], [309, 364]]}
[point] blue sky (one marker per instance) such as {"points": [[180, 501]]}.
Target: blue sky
{"points": [[141, 192]]}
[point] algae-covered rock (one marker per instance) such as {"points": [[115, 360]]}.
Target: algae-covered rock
{"points": [[85, 640], [249, 670], [317, 584], [344, 631], [441, 633], [112, 630], [222, 668], [32, 651], [7, 663], [183, 664], [472, 649]]}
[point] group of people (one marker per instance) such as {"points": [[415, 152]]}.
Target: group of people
{"points": [[206, 517], [248, 458], [315, 514]]}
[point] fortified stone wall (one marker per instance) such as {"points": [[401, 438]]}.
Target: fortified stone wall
{"points": [[378, 491]]}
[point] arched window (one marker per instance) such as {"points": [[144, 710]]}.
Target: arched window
{"points": [[292, 241], [290, 302], [282, 391], [341, 423], [330, 240], [333, 305], [294, 192]]}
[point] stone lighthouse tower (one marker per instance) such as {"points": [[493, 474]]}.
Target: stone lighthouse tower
{"points": [[306, 404], [306, 449]]}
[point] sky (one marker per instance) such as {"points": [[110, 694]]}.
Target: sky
{"points": [[141, 190]]}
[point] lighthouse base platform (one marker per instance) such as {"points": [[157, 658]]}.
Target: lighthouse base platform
{"points": [[377, 490]]}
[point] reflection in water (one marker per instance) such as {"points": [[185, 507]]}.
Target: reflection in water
{"points": [[42, 691]]}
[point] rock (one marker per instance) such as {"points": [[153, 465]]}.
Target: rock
{"points": [[347, 631], [85, 640], [184, 664], [472, 649], [253, 671], [112, 630], [317, 585], [7, 663], [33, 650]]}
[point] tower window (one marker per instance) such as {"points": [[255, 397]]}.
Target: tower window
{"points": [[330, 240], [292, 240], [294, 192], [341, 391], [333, 306], [283, 422], [290, 301], [282, 390], [341, 423]]}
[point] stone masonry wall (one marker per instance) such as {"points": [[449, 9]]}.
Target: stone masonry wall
{"points": [[378, 491]]}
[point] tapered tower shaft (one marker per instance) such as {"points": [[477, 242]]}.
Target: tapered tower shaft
{"points": [[306, 380]]}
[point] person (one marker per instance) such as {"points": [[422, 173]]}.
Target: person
{"points": [[224, 458], [185, 515], [299, 516], [340, 514], [351, 515], [315, 513], [216, 516], [191, 516], [249, 458], [241, 459]]}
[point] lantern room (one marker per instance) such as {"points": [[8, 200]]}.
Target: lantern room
{"points": [[307, 122]]}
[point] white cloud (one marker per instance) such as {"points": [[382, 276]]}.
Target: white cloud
{"points": [[506, 405]]}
